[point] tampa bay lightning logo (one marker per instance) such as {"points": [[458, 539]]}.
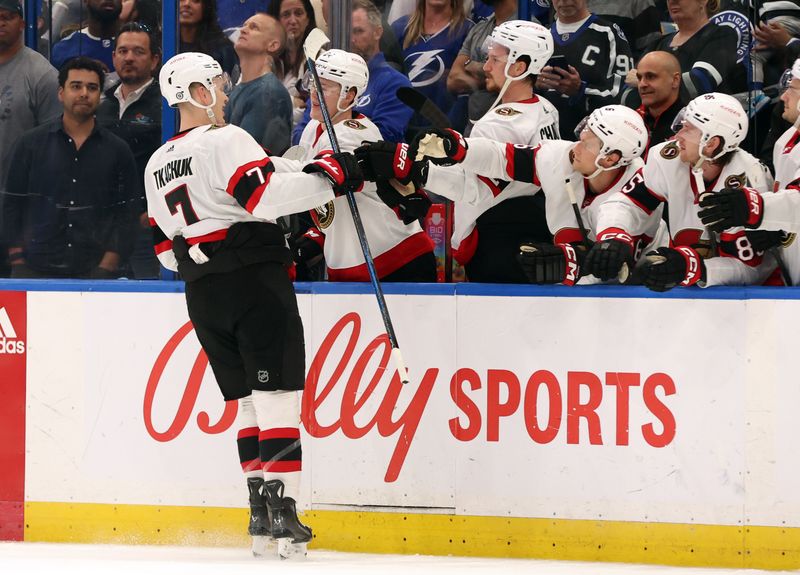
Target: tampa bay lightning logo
{"points": [[743, 28], [364, 101], [543, 3], [425, 68]]}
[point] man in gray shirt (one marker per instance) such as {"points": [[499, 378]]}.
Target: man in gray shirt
{"points": [[260, 104], [28, 91]]}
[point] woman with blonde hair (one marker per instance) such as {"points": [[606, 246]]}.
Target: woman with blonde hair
{"points": [[705, 50], [431, 38]]}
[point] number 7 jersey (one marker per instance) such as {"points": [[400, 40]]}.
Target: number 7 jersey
{"points": [[206, 179]]}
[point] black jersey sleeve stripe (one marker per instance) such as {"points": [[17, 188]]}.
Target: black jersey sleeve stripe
{"points": [[644, 198], [248, 179], [521, 163]]}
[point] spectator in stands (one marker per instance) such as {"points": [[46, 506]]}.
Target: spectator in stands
{"points": [[638, 20], [147, 12], [588, 67], [132, 111], [431, 38], [58, 18], [96, 40], [73, 193], [28, 92], [705, 50], [298, 19], [659, 75], [260, 104], [232, 14], [467, 75], [200, 32]]}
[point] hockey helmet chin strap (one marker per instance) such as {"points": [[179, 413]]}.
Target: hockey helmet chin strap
{"points": [[225, 88]]}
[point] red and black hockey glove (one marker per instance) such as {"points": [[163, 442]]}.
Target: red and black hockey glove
{"points": [[731, 207], [614, 247], [386, 160], [341, 170], [666, 268], [410, 204], [441, 147], [551, 264]]}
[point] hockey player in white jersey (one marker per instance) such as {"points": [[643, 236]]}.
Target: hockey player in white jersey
{"points": [[213, 196], [704, 157], [402, 251], [605, 161], [487, 233], [773, 212]]}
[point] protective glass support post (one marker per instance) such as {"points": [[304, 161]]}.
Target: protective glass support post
{"points": [[339, 26], [169, 47], [31, 9]]}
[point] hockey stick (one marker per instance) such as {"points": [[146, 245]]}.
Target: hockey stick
{"points": [[426, 108], [313, 44]]}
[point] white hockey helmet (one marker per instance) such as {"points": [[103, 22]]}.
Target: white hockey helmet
{"points": [[346, 69], [715, 114], [183, 70], [790, 74], [620, 129], [522, 38]]}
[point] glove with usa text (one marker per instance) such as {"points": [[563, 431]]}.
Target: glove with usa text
{"points": [[441, 147], [410, 204], [731, 207], [666, 268], [613, 249], [341, 170], [386, 160], [551, 264]]}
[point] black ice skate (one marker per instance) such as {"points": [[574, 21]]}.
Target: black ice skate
{"points": [[258, 528], [285, 526]]}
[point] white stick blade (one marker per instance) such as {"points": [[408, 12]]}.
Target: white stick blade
{"points": [[315, 40], [297, 152]]}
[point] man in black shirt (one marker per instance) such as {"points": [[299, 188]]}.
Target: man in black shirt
{"points": [[72, 189], [659, 77], [132, 111]]}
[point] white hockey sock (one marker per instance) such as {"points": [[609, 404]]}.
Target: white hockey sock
{"points": [[247, 438], [278, 415]]}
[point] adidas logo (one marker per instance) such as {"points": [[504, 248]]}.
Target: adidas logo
{"points": [[8, 336]]}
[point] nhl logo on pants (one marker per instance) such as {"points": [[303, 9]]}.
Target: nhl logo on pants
{"points": [[263, 376]]}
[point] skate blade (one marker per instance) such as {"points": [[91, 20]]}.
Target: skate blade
{"points": [[292, 551], [263, 546]]}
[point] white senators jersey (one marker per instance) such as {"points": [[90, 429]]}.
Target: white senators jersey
{"points": [[667, 179], [548, 167], [527, 122], [206, 179], [782, 209], [392, 243]]}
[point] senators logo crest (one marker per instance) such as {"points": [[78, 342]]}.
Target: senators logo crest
{"points": [[506, 111], [324, 215], [735, 181], [670, 151], [354, 124]]}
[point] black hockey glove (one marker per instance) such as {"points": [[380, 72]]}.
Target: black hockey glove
{"points": [[410, 204], [614, 247], [551, 264], [441, 147], [386, 160], [731, 207], [666, 268], [306, 253], [762, 240], [341, 170]]}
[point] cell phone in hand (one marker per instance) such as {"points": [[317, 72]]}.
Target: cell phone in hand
{"points": [[558, 61]]}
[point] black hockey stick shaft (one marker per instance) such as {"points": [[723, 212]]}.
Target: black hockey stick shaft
{"points": [[362, 236]]}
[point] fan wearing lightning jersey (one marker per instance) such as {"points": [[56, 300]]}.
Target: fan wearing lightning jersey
{"points": [[704, 157], [487, 233], [213, 196], [774, 212], [589, 65], [402, 250]]}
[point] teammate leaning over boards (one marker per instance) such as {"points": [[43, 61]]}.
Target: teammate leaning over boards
{"points": [[778, 211], [213, 196], [604, 162], [704, 157], [402, 251], [487, 232]]}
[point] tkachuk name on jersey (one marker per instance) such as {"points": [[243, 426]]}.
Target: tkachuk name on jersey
{"points": [[9, 343], [174, 169]]}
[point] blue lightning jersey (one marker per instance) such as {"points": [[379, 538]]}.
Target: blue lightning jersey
{"points": [[428, 62]]}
